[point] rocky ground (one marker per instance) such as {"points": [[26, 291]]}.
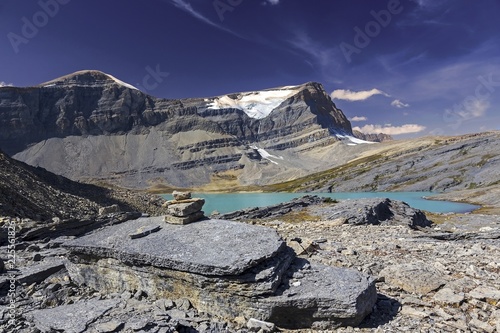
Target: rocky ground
{"points": [[439, 278], [444, 278]]}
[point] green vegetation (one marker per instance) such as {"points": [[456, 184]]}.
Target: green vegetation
{"points": [[485, 159], [323, 178], [330, 201]]}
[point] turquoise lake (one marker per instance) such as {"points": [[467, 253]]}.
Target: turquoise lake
{"points": [[228, 202]]}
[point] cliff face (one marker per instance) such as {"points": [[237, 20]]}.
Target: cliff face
{"points": [[90, 124], [380, 137]]}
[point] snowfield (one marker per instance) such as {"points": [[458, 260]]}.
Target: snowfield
{"points": [[256, 105]]}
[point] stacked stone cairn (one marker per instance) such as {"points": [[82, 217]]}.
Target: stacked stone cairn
{"points": [[184, 209]]}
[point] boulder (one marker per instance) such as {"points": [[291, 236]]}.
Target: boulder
{"points": [[181, 195], [109, 210], [227, 269], [186, 209], [376, 211], [419, 278]]}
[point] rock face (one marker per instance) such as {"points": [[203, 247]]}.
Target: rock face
{"points": [[380, 137], [88, 124], [376, 211], [273, 210], [228, 269]]}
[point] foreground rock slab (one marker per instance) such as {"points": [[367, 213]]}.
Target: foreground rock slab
{"points": [[214, 247], [73, 318], [224, 268]]}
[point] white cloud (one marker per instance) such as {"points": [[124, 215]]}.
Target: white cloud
{"points": [[397, 103], [351, 96], [473, 108], [358, 118], [391, 130], [3, 84], [272, 2], [186, 6]]}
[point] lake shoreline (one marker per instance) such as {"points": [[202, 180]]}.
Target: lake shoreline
{"points": [[224, 202]]}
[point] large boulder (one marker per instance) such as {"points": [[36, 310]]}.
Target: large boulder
{"points": [[224, 268], [376, 211]]}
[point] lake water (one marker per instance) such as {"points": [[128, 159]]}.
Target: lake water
{"points": [[228, 202]]}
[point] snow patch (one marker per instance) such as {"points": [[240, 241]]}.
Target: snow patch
{"points": [[264, 154], [120, 82], [353, 141], [257, 104]]}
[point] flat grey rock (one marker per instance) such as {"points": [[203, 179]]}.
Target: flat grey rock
{"points": [[144, 231], [39, 272], [324, 297], [419, 278], [210, 247], [184, 219], [185, 209], [73, 318]]}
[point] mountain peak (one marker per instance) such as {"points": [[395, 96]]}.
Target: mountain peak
{"points": [[86, 78]]}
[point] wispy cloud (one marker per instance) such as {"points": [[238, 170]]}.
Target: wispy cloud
{"points": [[322, 55], [351, 96], [358, 118], [186, 6], [3, 84], [271, 2], [327, 60], [474, 109], [391, 130], [397, 103]]}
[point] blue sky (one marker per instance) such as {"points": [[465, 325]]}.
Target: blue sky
{"points": [[407, 68]]}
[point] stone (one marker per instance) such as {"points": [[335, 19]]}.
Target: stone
{"points": [[186, 209], [448, 296], [302, 245], [37, 257], [255, 325], [109, 210], [419, 278], [182, 304], [73, 318], [144, 231], [211, 247], [328, 297], [39, 272], [485, 293], [407, 310], [110, 326], [485, 327], [184, 220], [225, 268], [181, 195], [375, 211], [164, 304], [176, 314]]}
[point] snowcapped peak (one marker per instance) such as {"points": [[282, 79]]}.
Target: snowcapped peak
{"points": [[86, 78], [257, 104]]}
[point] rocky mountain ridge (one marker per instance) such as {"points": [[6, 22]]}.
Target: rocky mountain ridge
{"points": [[135, 139]]}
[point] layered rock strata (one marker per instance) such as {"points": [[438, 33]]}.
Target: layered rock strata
{"points": [[224, 268], [184, 209]]}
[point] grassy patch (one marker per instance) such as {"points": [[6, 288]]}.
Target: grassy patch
{"points": [[299, 217], [320, 179], [485, 159]]}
